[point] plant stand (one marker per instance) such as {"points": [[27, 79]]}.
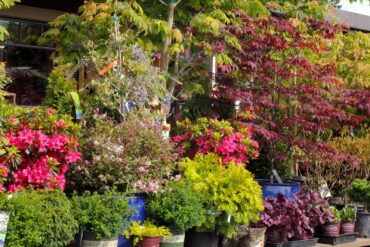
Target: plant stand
{"points": [[344, 238], [297, 243]]}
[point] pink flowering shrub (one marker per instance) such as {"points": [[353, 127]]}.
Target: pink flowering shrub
{"points": [[36, 149], [232, 141], [131, 155]]}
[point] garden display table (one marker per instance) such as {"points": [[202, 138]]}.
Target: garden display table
{"points": [[360, 242]]}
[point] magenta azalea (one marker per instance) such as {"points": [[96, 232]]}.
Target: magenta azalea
{"points": [[35, 154], [231, 141]]}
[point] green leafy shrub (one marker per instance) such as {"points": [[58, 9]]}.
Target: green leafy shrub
{"points": [[179, 207], [148, 229], [336, 214], [360, 192], [101, 215], [348, 214], [39, 218], [232, 196], [58, 90]]}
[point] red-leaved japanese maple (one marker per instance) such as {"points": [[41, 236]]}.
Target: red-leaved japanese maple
{"points": [[298, 100]]}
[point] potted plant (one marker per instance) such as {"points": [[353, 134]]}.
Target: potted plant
{"points": [[100, 216], [179, 208], [360, 193], [287, 219], [332, 226], [311, 205], [147, 235], [348, 216], [276, 217], [39, 218], [232, 141], [232, 197]]}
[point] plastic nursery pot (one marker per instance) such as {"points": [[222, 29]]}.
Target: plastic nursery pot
{"points": [[347, 227], [201, 239], [297, 236], [272, 189], [331, 229], [363, 224], [89, 240], [273, 235], [150, 242], [176, 240]]}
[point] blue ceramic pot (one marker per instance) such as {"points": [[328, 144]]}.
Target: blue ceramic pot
{"points": [[269, 189], [137, 203]]}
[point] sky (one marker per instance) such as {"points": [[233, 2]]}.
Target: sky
{"points": [[361, 8]]}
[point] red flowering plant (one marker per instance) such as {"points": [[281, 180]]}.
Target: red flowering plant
{"points": [[231, 140], [36, 150]]}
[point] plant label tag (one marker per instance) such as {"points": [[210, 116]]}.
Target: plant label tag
{"points": [[4, 218], [228, 219]]}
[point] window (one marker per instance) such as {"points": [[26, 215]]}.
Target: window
{"points": [[27, 64]]}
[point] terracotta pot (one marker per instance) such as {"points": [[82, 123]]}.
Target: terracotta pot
{"points": [[331, 229], [150, 242], [347, 227], [273, 235]]}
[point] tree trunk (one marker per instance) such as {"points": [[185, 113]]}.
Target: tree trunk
{"points": [[165, 58]]}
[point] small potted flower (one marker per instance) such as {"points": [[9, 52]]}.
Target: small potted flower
{"points": [[332, 226], [348, 216], [146, 235]]}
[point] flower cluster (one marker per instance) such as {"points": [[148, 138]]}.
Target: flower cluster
{"points": [[130, 155], [232, 141], [36, 152]]}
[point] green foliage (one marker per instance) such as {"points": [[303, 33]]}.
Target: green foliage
{"points": [[336, 214], [360, 192], [179, 207], [58, 90], [232, 196], [5, 4], [351, 52], [40, 218], [348, 214], [101, 215], [148, 229], [340, 174]]}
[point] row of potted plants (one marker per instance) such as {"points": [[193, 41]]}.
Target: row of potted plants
{"points": [[303, 218]]}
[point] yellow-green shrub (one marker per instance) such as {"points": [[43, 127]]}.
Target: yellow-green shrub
{"points": [[232, 196]]}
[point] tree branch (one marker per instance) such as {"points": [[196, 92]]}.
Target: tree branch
{"points": [[177, 2], [162, 2]]}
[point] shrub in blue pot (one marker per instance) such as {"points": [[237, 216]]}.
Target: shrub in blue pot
{"points": [[138, 207]]}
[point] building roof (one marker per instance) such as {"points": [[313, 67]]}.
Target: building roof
{"points": [[355, 21]]}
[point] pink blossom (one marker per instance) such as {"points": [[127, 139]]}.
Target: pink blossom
{"points": [[50, 111], [73, 156]]}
